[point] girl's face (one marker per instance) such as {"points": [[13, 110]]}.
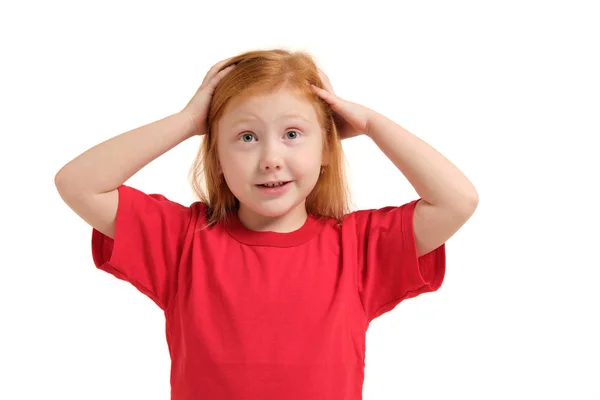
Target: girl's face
{"points": [[271, 137]]}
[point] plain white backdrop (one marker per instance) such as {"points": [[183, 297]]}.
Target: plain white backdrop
{"points": [[508, 91]]}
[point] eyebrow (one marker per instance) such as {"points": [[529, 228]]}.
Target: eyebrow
{"points": [[288, 115]]}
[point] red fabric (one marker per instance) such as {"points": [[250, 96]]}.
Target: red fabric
{"points": [[266, 315]]}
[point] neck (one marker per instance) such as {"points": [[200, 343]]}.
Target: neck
{"points": [[285, 223]]}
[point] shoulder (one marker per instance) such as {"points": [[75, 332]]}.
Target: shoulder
{"points": [[164, 209], [372, 217]]}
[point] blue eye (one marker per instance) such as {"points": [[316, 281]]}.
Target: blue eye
{"points": [[296, 134], [245, 135]]}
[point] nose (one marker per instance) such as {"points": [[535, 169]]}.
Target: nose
{"points": [[271, 159]]}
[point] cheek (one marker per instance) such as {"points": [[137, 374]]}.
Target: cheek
{"points": [[239, 172], [233, 162], [310, 156]]}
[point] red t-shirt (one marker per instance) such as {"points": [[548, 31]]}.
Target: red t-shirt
{"points": [[266, 315]]}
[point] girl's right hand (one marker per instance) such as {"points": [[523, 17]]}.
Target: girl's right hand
{"points": [[197, 107]]}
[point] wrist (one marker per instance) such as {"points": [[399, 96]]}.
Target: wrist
{"points": [[189, 124], [371, 120]]}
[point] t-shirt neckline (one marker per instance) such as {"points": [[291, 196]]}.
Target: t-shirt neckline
{"points": [[311, 227]]}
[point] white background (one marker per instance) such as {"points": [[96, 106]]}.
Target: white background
{"points": [[508, 91]]}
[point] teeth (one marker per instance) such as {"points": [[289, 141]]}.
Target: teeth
{"points": [[274, 184]]}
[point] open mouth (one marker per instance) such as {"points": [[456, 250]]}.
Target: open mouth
{"points": [[275, 185], [280, 184]]}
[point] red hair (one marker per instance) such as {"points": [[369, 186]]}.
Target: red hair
{"points": [[266, 71]]}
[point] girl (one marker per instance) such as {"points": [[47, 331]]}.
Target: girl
{"points": [[268, 283]]}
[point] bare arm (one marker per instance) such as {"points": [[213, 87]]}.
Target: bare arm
{"points": [[88, 184], [109, 164]]}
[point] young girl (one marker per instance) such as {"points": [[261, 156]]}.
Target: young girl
{"points": [[268, 283]]}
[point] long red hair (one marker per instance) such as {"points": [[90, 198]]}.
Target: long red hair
{"points": [[265, 71]]}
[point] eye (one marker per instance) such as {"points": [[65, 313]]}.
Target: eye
{"points": [[295, 132], [246, 135], [250, 135]]}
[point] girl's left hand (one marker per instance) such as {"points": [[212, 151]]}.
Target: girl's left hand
{"points": [[352, 119]]}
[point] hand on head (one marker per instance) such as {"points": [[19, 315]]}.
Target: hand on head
{"points": [[197, 107]]}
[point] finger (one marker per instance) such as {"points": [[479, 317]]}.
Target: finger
{"points": [[220, 75], [325, 80], [327, 96], [331, 99], [214, 79], [219, 67], [215, 69]]}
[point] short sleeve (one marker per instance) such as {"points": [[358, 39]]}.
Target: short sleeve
{"points": [[389, 270], [150, 234]]}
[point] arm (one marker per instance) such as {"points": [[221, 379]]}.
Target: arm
{"points": [[88, 184], [448, 198]]}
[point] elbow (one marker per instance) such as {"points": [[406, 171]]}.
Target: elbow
{"points": [[470, 203], [59, 179], [62, 182]]}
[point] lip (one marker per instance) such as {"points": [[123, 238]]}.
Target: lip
{"points": [[271, 182], [276, 190]]}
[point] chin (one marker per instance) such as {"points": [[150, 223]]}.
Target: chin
{"points": [[273, 211], [273, 208]]}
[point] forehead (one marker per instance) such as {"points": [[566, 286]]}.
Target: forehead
{"points": [[269, 106]]}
